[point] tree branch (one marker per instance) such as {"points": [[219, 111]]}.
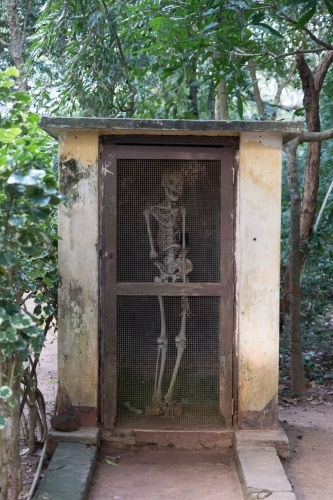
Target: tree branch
{"points": [[327, 46], [4, 43], [316, 136], [307, 79], [295, 52], [322, 69], [15, 34], [24, 29], [282, 86], [240, 53], [124, 61], [309, 137]]}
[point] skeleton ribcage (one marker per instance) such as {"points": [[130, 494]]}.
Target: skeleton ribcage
{"points": [[168, 230]]}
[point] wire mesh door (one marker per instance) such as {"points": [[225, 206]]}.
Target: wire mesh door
{"points": [[167, 286]]}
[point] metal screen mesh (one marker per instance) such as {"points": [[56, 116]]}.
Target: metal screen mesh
{"points": [[197, 383], [139, 187]]}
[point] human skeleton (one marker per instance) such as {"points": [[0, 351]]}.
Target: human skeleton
{"points": [[174, 267]]}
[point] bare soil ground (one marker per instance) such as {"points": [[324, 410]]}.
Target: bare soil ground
{"points": [[309, 427], [208, 475]]}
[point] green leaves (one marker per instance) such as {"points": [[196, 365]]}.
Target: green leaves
{"points": [[5, 392], [268, 29], [109, 461], [7, 257], [22, 97], [16, 220], [9, 134], [27, 223], [329, 6], [31, 178], [3, 422], [306, 17], [21, 321], [48, 281], [210, 26], [12, 72]]}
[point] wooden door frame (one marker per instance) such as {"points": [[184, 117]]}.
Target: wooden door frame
{"points": [[132, 148]]}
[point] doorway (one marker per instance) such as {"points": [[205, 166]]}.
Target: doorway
{"points": [[167, 286]]}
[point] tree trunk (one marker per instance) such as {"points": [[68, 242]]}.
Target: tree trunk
{"points": [[193, 90], [211, 100], [14, 450], [256, 91], [312, 85], [3, 448], [32, 416], [16, 41], [221, 102], [294, 292]]}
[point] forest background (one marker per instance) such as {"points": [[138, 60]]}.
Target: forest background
{"points": [[214, 59]]}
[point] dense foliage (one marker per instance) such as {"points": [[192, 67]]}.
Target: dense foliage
{"points": [[28, 193]]}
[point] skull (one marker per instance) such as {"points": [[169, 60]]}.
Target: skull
{"points": [[173, 185]]}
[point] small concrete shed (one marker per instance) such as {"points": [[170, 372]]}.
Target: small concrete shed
{"points": [[169, 276]]}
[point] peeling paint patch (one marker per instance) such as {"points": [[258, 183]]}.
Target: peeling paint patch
{"points": [[77, 366], [263, 419], [265, 139], [62, 139], [72, 301], [65, 406], [71, 171], [87, 415]]}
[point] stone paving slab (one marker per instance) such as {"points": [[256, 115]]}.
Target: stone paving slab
{"points": [[261, 474], [277, 438], [69, 474], [86, 435]]}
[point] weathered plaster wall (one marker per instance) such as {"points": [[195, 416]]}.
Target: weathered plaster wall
{"points": [[78, 268], [257, 264]]}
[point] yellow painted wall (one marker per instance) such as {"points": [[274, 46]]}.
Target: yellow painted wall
{"points": [[258, 265], [78, 268]]}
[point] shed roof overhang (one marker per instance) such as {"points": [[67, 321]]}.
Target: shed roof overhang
{"points": [[123, 126]]}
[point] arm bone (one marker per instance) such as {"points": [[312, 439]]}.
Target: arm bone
{"points": [[153, 253]]}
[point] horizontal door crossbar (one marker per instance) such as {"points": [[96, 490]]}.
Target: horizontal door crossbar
{"points": [[178, 289]]}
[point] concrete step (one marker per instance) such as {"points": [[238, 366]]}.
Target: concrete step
{"points": [[69, 474], [261, 474], [275, 438]]}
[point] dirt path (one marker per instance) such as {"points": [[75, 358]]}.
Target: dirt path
{"points": [[310, 432], [47, 372]]}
